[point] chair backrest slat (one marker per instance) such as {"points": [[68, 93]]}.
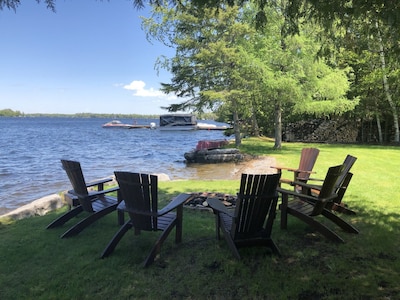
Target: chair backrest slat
{"points": [[257, 199], [348, 164], [75, 175], [139, 191], [328, 187], [307, 161], [343, 187]]}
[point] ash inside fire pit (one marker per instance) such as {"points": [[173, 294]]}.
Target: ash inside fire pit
{"points": [[199, 200]]}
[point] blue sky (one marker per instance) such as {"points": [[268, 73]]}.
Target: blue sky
{"points": [[89, 56]]}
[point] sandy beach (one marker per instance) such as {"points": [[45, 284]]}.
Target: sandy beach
{"points": [[231, 171]]}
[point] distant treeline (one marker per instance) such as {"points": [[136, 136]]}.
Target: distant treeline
{"points": [[15, 113], [10, 113]]}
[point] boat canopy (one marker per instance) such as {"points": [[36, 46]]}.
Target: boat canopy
{"points": [[178, 119]]}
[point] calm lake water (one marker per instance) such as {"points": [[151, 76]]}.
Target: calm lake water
{"points": [[31, 149]]}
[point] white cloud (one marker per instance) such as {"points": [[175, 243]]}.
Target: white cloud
{"points": [[139, 89]]}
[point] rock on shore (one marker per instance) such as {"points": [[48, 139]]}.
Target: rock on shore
{"points": [[38, 207]]}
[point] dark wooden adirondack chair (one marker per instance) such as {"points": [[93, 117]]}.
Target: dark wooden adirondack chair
{"points": [[340, 187], [94, 202], [307, 207], [250, 223], [140, 200], [302, 173]]}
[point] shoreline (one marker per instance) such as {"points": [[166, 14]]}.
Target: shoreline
{"points": [[225, 171]]}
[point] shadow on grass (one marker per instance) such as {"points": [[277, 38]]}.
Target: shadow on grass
{"points": [[36, 263]]}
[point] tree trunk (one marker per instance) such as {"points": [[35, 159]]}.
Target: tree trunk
{"points": [[254, 123], [236, 125], [278, 125], [378, 125], [386, 87]]}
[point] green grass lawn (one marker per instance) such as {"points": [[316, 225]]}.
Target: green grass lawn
{"points": [[36, 264]]}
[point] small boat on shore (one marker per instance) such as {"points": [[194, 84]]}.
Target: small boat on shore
{"points": [[213, 156], [119, 124], [211, 151]]}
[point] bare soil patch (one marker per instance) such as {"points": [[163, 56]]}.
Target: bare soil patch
{"points": [[232, 170]]}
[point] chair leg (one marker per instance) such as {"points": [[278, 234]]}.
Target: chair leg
{"points": [[340, 222], [65, 217], [116, 238], [77, 228], [157, 246], [274, 248], [217, 225], [231, 243], [121, 217], [283, 208], [178, 226], [343, 209], [316, 225]]}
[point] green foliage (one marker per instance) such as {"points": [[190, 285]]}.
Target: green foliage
{"points": [[37, 264], [10, 113], [223, 64], [326, 108], [13, 4]]}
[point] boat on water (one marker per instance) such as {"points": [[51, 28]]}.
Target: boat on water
{"points": [[186, 122], [207, 126], [178, 122], [119, 124]]}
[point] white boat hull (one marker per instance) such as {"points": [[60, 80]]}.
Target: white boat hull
{"points": [[177, 128]]}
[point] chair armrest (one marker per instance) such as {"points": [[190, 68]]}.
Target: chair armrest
{"points": [[283, 168], [308, 198], [306, 185], [292, 169], [98, 182], [122, 206], [218, 206], [177, 201], [93, 194], [102, 192], [315, 179]]}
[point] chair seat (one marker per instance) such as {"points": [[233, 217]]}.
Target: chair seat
{"points": [[165, 221], [103, 203], [301, 206]]}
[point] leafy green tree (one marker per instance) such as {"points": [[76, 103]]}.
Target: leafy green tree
{"points": [[211, 67], [369, 52], [297, 83], [222, 61]]}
